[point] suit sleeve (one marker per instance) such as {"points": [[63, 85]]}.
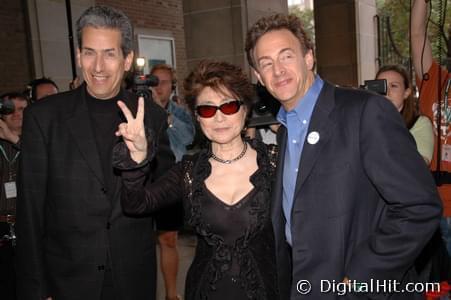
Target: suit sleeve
{"points": [[401, 177], [31, 201], [137, 197], [164, 158]]}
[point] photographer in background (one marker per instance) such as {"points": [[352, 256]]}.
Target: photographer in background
{"points": [[399, 92], [10, 132], [181, 132], [263, 124], [181, 126]]}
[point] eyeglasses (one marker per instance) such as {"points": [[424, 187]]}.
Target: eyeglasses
{"points": [[229, 108]]}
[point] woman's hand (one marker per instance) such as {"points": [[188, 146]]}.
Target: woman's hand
{"points": [[133, 131]]}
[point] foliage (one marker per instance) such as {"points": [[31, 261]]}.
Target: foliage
{"points": [[399, 18], [306, 16]]}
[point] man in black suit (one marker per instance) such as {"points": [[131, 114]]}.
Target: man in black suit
{"points": [[353, 199], [74, 242]]}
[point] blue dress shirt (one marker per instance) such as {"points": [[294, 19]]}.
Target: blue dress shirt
{"points": [[297, 122]]}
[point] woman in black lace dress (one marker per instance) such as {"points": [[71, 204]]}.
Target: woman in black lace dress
{"points": [[225, 188]]}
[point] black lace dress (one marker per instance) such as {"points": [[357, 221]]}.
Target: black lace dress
{"points": [[235, 256]]}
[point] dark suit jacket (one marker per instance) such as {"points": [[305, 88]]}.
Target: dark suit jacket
{"points": [[365, 203], [67, 222]]}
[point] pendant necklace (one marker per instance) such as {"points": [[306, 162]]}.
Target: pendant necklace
{"points": [[229, 161]]}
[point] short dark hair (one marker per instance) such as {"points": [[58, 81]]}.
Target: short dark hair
{"points": [[14, 95], [102, 16], [276, 22], [218, 75], [33, 85]]}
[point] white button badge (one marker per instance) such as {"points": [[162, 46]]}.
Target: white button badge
{"points": [[313, 138]]}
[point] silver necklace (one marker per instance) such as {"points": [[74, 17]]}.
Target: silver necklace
{"points": [[229, 161]]}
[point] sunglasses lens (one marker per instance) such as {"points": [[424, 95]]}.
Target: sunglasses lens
{"points": [[230, 107], [206, 111]]}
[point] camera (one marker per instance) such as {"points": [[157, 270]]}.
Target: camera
{"points": [[265, 108], [6, 106], [378, 86], [142, 83]]}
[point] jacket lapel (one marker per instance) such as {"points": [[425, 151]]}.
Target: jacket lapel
{"points": [[276, 211], [80, 127], [321, 123]]}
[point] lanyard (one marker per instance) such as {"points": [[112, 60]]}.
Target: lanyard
{"points": [[10, 162]]}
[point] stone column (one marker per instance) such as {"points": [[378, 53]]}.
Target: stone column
{"points": [[49, 38], [346, 43], [217, 29]]}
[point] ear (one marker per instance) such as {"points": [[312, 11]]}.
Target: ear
{"points": [[309, 60], [258, 76], [79, 57], [407, 93], [129, 61]]}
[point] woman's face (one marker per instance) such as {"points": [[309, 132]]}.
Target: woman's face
{"points": [[220, 128], [396, 91]]}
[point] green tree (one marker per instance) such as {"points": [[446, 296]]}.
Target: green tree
{"points": [[394, 18], [306, 16]]}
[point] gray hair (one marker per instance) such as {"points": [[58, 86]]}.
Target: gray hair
{"points": [[107, 17]]}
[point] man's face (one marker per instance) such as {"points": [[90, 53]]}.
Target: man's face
{"points": [[282, 67], [102, 61], [14, 120], [44, 90], [164, 89]]}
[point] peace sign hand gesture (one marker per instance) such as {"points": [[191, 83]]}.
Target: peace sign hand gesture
{"points": [[133, 131]]}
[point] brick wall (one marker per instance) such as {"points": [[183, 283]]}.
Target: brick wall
{"points": [[15, 67], [158, 15]]}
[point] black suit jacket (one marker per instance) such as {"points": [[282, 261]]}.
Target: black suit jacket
{"points": [[67, 222], [365, 203]]}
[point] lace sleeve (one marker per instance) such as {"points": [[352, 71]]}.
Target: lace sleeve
{"points": [[141, 196], [273, 153]]}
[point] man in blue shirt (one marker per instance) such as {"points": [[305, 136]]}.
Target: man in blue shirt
{"points": [[353, 200], [181, 134]]}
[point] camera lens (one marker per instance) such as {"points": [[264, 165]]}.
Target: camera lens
{"points": [[261, 108]]}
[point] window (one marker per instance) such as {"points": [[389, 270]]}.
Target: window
{"points": [[156, 50]]}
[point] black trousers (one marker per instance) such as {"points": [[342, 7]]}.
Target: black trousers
{"points": [[7, 269], [108, 287]]}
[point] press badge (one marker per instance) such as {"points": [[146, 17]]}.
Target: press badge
{"points": [[10, 189], [446, 153]]}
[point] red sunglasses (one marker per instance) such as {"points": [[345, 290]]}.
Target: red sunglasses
{"points": [[229, 108]]}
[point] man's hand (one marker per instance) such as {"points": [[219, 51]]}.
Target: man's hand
{"points": [[133, 131], [7, 134]]}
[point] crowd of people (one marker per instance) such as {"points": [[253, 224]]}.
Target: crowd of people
{"points": [[93, 177]]}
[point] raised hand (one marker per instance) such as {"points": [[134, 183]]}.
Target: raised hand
{"points": [[133, 131]]}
